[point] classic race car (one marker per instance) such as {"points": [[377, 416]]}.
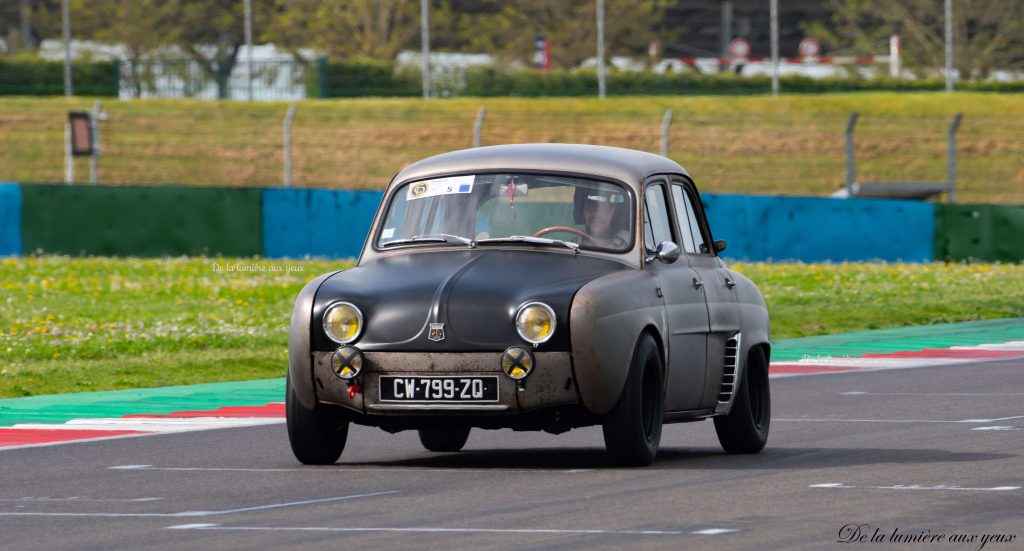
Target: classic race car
{"points": [[532, 287]]}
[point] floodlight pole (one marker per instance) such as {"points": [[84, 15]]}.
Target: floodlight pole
{"points": [[600, 50], [425, 45], [774, 16], [248, 47], [949, 45], [69, 159], [66, 17]]}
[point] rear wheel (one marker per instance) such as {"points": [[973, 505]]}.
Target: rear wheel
{"points": [[745, 429], [444, 440], [632, 429], [317, 435]]}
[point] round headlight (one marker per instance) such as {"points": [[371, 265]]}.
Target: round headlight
{"points": [[343, 322], [535, 322]]}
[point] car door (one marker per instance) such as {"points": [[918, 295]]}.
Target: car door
{"points": [[685, 306], [719, 289]]}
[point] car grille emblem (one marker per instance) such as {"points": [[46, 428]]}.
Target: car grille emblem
{"points": [[436, 332]]}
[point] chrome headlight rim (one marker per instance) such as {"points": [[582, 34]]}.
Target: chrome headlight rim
{"points": [[359, 317], [350, 357], [549, 310]]}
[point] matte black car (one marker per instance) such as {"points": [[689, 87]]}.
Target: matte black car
{"points": [[532, 287]]}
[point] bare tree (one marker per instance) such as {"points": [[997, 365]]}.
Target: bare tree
{"points": [[987, 34]]}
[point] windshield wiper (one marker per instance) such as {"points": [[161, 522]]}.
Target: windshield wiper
{"points": [[531, 240], [431, 238]]}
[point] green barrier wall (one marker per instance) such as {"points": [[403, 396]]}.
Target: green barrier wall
{"points": [[141, 221], [982, 232]]}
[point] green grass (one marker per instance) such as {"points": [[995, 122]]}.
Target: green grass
{"points": [[791, 144], [71, 324]]}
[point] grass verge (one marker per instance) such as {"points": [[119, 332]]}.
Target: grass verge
{"points": [[80, 324]]}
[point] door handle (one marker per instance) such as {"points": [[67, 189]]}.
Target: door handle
{"points": [[697, 284], [729, 283]]}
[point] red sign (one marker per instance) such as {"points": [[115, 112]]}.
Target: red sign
{"points": [[809, 47], [739, 47]]}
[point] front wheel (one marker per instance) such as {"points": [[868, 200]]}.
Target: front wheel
{"points": [[444, 440], [632, 429], [745, 429], [317, 435]]}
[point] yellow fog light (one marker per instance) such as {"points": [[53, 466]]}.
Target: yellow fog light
{"points": [[343, 322], [347, 362], [517, 362], [535, 322]]}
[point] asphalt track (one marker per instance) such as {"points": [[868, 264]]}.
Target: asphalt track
{"points": [[933, 450]]}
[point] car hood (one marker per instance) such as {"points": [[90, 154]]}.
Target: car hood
{"points": [[474, 293]]}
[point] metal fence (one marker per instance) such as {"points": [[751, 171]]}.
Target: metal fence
{"points": [[548, 42], [361, 143]]}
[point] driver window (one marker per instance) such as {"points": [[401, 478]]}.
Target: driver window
{"points": [[656, 225], [683, 215]]}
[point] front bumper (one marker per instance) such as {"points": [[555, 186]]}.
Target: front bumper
{"points": [[550, 384]]}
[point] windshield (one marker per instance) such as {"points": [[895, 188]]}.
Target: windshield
{"points": [[491, 209]]}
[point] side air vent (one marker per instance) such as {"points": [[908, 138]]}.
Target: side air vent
{"points": [[732, 351]]}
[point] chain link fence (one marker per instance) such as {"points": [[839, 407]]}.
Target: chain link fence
{"points": [[336, 48], [782, 146]]}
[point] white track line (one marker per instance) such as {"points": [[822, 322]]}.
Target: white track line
{"points": [[155, 424], [341, 469], [195, 513], [841, 486], [430, 530]]}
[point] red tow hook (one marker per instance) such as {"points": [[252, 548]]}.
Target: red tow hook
{"points": [[353, 390]]}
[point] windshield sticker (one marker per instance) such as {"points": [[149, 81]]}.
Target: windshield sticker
{"points": [[388, 233], [440, 186]]}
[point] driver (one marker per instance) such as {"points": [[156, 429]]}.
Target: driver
{"points": [[601, 217]]}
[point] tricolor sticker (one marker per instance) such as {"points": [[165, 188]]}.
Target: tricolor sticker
{"points": [[440, 186]]}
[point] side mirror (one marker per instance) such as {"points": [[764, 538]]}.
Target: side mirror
{"points": [[719, 245], [667, 252]]}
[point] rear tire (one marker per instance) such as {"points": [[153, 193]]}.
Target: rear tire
{"points": [[632, 429], [444, 440], [317, 435], [745, 429]]}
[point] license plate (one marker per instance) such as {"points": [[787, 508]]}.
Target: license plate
{"points": [[438, 389]]}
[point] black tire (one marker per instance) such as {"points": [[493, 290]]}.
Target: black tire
{"points": [[632, 429], [317, 435], [444, 440], [745, 429]]}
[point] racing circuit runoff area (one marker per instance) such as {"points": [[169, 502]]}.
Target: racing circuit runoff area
{"points": [[921, 457]]}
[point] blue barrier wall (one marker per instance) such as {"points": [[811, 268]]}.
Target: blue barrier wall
{"points": [[812, 229], [316, 222], [10, 219]]}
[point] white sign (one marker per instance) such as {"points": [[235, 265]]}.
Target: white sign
{"points": [[739, 47], [809, 47]]}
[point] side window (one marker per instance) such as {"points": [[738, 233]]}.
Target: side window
{"points": [[656, 224], [698, 237], [683, 215]]}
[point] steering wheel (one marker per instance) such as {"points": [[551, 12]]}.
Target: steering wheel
{"points": [[574, 231]]}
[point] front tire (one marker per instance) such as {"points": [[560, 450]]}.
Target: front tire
{"points": [[444, 440], [632, 429], [317, 435], [745, 429]]}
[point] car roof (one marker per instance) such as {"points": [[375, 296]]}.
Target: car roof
{"points": [[626, 165]]}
